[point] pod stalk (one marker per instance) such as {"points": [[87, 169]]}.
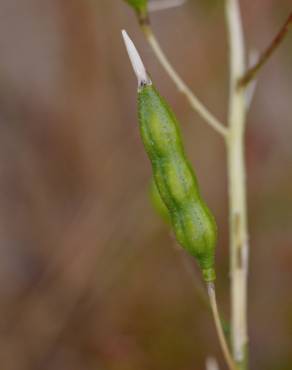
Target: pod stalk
{"points": [[222, 340]]}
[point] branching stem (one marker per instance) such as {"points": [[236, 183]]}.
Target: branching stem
{"points": [[252, 72], [180, 84]]}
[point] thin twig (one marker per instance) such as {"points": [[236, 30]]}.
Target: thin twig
{"points": [[237, 188], [251, 73], [222, 340], [180, 84]]}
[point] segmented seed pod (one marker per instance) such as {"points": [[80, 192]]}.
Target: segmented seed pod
{"points": [[193, 224]]}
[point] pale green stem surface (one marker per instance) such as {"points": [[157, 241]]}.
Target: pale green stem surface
{"points": [[237, 188]]}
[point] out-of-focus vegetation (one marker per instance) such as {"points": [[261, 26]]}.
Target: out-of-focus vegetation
{"points": [[89, 276]]}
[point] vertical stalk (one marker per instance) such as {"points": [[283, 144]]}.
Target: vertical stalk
{"points": [[237, 189], [222, 340]]}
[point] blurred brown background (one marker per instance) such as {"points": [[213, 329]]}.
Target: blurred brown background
{"points": [[89, 276]]}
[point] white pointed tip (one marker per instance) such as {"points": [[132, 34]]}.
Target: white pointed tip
{"points": [[136, 61]]}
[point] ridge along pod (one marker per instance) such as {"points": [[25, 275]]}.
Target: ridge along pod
{"points": [[157, 203], [193, 224]]}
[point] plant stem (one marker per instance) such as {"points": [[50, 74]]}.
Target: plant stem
{"points": [[180, 84], [222, 340], [251, 73], [237, 188]]}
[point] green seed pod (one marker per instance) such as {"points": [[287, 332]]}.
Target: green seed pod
{"points": [[193, 224], [158, 203], [140, 6]]}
